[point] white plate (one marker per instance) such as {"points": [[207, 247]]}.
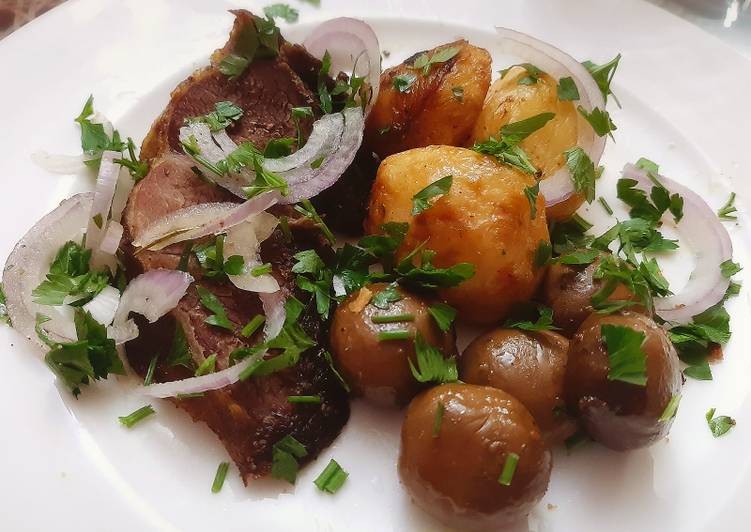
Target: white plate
{"points": [[68, 465]]}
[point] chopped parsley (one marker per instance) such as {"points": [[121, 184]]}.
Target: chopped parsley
{"points": [[443, 314], [298, 114], [628, 362], [532, 77], [331, 478], [282, 147], [544, 321], [700, 371], [338, 375], [304, 399], [531, 194], [404, 82], [567, 90], [570, 235], [425, 63], [207, 366], [69, 277], [136, 167], [578, 257], [421, 200], [314, 277], [582, 171], [211, 302], [599, 120], [224, 115], [94, 139], [394, 335], [603, 75], [134, 417], [694, 340], [507, 149], [509, 468], [729, 268], [392, 318], [305, 207], [438, 419], [93, 356], [385, 297], [253, 325], [543, 254], [727, 211], [671, 409], [179, 353], [432, 366], [149, 378], [221, 474], [605, 205], [283, 11], [719, 425], [285, 454], [211, 258], [257, 40]]}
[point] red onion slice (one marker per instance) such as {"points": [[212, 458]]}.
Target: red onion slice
{"points": [[559, 187], [245, 240], [151, 294], [61, 164], [103, 307], [100, 209], [701, 230], [201, 220], [111, 239], [273, 309], [29, 262], [310, 182], [348, 40]]}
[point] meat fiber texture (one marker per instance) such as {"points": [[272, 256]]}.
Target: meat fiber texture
{"points": [[249, 417]]}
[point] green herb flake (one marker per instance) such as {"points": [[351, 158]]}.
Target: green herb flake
{"points": [[149, 378], [531, 194], [396, 334], [719, 425], [441, 56], [628, 362], [567, 90], [134, 417], [385, 297], [582, 172], [404, 82], [509, 468], [543, 254], [438, 419], [605, 205], [285, 453], [331, 478], [421, 200], [304, 399], [729, 268], [263, 269], [727, 211], [432, 366], [212, 303], [578, 257], [700, 371], [338, 375], [94, 139], [179, 353], [507, 149], [603, 75], [283, 11], [443, 314], [70, 276], [393, 318], [306, 208], [221, 474], [253, 325], [544, 321], [599, 120], [207, 366], [225, 114], [671, 409]]}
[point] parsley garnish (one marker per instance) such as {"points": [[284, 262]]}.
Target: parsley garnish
{"points": [[443, 314], [392, 318], [4, 318], [276, 148], [134, 417], [257, 40], [211, 258], [719, 425], [599, 120], [543, 253], [253, 325], [605, 205], [544, 321], [507, 149], [531, 194], [700, 371], [727, 211], [532, 77], [578, 257], [603, 75], [331, 478], [136, 167], [306, 209], [69, 276], [693, 339], [179, 353], [628, 362], [285, 454], [224, 115], [315, 278], [298, 114], [441, 56], [567, 90], [212, 303], [509, 468], [570, 235], [433, 367], [403, 82], [207, 366], [393, 335], [421, 200], [94, 140], [304, 399], [385, 297], [93, 356], [671, 409], [582, 171], [335, 371], [221, 474], [283, 11], [729, 268], [149, 378]]}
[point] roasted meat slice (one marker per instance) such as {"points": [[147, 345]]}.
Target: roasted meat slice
{"points": [[250, 416]]}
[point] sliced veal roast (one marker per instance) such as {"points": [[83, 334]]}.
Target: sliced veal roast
{"points": [[250, 416]]}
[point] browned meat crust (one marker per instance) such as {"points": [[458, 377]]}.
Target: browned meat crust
{"points": [[250, 416]]}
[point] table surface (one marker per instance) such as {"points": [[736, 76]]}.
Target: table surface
{"points": [[729, 20]]}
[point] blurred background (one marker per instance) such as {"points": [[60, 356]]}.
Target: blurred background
{"points": [[730, 20]]}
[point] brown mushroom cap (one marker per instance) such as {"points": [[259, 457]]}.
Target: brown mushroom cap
{"points": [[531, 366], [379, 369], [618, 414], [454, 475]]}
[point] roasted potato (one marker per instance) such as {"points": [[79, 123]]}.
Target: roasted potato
{"points": [[379, 369], [531, 366], [512, 98], [415, 108], [457, 440], [485, 219], [621, 415]]}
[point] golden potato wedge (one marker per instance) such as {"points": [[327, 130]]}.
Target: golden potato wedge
{"points": [[509, 101], [484, 219], [437, 106]]}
